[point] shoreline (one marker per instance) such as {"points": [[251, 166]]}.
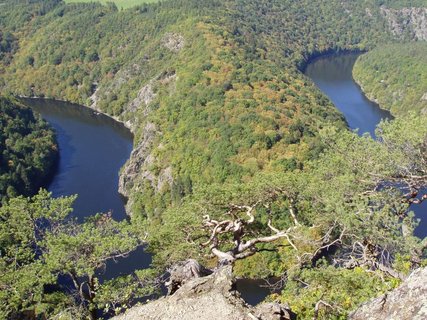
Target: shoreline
{"points": [[371, 99], [95, 112], [126, 124], [302, 65], [339, 53]]}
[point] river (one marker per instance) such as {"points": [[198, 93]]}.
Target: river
{"points": [[94, 147], [333, 75]]}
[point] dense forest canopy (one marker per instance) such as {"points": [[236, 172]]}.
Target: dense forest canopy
{"points": [[395, 76], [121, 4], [229, 135], [214, 83], [28, 150]]}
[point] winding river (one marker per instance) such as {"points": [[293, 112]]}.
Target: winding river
{"points": [[93, 148]]}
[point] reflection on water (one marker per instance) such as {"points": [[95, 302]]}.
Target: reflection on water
{"points": [[93, 148], [333, 75]]}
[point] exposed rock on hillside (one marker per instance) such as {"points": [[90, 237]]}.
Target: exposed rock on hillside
{"points": [[407, 21], [136, 166], [136, 169], [173, 41], [209, 297], [408, 302], [145, 95]]}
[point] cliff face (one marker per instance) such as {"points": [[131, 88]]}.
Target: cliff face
{"points": [[408, 302], [407, 22], [210, 297]]}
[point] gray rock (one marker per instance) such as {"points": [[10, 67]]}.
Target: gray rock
{"points": [[209, 297], [173, 41], [407, 20], [183, 272], [136, 168], [407, 302]]}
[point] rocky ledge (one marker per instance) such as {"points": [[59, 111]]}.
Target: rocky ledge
{"points": [[205, 297], [410, 21], [198, 293]]}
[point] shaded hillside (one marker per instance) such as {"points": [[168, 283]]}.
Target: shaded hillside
{"points": [[28, 150]]}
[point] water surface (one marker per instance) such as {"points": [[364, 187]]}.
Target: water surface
{"points": [[333, 75], [92, 149]]}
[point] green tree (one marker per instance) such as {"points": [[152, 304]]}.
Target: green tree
{"points": [[39, 242]]}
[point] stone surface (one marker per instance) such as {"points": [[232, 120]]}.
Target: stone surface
{"points": [[136, 168], [183, 272], [173, 41], [407, 302], [209, 297], [411, 21]]}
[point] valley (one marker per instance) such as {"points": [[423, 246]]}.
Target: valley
{"points": [[234, 156]]}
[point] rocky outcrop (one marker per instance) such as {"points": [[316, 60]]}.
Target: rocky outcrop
{"points": [[146, 94], [406, 22], [407, 302], [208, 297], [173, 41], [136, 168]]}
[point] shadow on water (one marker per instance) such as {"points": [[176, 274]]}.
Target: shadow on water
{"points": [[254, 291], [93, 148]]}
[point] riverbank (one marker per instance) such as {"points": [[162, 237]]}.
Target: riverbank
{"points": [[96, 112], [93, 148], [332, 74], [395, 76], [28, 150]]}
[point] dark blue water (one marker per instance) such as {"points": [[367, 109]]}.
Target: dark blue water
{"points": [[92, 149], [333, 75]]}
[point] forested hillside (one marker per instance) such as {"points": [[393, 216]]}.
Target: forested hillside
{"points": [[395, 76], [28, 150], [119, 3], [211, 89], [238, 158]]}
